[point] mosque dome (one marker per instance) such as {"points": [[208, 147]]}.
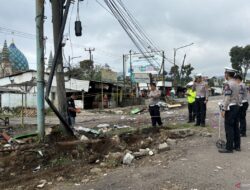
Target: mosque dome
{"points": [[17, 59]]}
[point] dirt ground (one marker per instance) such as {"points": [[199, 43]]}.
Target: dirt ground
{"points": [[193, 163]]}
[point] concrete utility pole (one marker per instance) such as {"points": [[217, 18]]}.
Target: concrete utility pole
{"points": [[131, 72], [163, 73], [40, 68], [90, 53], [57, 15], [175, 50]]}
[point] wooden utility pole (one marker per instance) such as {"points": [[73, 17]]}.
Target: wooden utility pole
{"points": [[90, 53], [57, 15]]}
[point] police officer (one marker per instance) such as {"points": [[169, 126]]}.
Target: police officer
{"points": [[191, 102], [243, 105], [201, 99], [230, 112], [154, 109]]}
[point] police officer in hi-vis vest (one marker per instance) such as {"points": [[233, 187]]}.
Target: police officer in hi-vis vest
{"points": [[201, 100], [191, 95], [230, 112], [243, 105]]}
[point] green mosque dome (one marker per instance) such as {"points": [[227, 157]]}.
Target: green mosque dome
{"points": [[17, 59]]}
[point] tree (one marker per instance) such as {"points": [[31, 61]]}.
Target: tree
{"points": [[182, 76], [86, 71], [240, 59], [186, 71]]}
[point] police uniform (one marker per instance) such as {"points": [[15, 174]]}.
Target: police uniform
{"points": [[154, 108], [231, 107], [191, 95], [243, 109], [200, 101]]}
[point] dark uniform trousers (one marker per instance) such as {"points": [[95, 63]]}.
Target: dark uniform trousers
{"points": [[191, 111], [242, 118], [155, 115], [232, 128], [200, 108]]}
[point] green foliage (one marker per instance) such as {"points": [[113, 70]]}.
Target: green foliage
{"points": [[182, 74], [86, 71], [240, 59]]}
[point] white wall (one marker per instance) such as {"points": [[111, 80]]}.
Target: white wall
{"points": [[15, 100]]}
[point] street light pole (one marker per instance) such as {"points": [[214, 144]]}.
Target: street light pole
{"points": [[175, 50]]}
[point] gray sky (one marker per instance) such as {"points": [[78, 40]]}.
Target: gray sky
{"points": [[214, 26]]}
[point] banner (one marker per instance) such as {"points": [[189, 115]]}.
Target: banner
{"points": [[148, 63]]}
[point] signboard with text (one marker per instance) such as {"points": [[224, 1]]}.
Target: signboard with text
{"points": [[143, 63]]}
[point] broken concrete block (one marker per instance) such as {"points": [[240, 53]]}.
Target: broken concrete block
{"points": [[95, 170], [206, 134], [84, 138], [141, 153], [180, 133], [117, 156], [171, 142], [128, 158], [163, 147]]}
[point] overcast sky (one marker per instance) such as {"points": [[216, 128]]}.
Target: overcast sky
{"points": [[214, 26]]}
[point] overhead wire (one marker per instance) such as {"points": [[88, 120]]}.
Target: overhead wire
{"points": [[130, 28]]}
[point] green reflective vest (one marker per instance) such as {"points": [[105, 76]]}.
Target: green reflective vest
{"points": [[191, 96]]}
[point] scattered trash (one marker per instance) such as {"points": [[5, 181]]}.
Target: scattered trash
{"points": [[168, 112], [26, 136], [37, 168], [87, 130], [218, 167], [77, 184], [163, 147], [136, 110], [7, 145], [150, 153], [85, 181], [40, 153], [103, 125], [121, 127], [7, 138], [173, 105], [50, 183], [105, 174], [123, 117], [128, 158], [205, 134], [59, 179], [48, 131], [118, 112], [184, 159], [42, 183]]}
